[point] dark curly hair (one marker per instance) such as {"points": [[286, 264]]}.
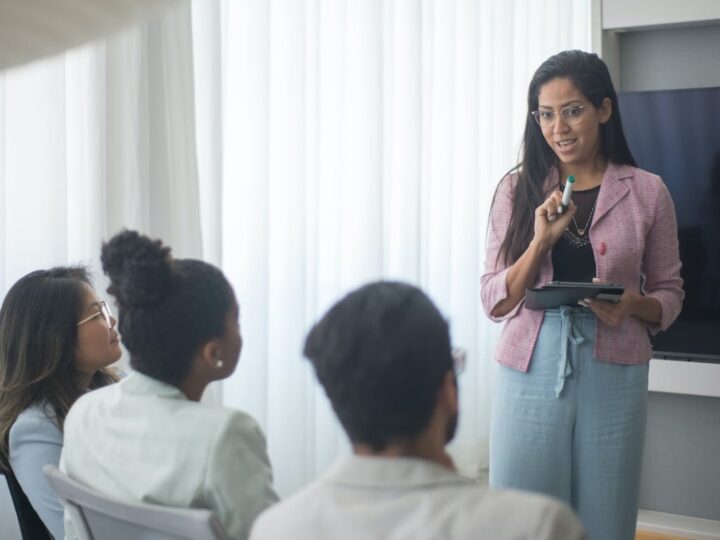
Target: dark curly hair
{"points": [[167, 308], [381, 353]]}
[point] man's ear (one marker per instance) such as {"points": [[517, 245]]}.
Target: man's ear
{"points": [[448, 394]]}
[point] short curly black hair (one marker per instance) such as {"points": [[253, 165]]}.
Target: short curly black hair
{"points": [[167, 308], [381, 353]]}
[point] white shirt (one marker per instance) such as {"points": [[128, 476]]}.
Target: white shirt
{"points": [[411, 499], [143, 440]]}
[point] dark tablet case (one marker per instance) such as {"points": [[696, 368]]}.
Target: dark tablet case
{"points": [[558, 294]]}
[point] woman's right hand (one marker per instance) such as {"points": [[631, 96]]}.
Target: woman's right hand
{"points": [[549, 225]]}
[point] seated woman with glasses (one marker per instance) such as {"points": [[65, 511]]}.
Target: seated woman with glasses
{"points": [[56, 341], [152, 439]]}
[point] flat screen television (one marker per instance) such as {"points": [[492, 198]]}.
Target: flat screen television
{"points": [[676, 134]]}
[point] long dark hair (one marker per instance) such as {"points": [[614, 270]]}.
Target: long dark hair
{"points": [[591, 76], [38, 337], [167, 308]]}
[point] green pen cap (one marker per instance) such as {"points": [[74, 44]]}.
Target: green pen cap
{"points": [[571, 179]]}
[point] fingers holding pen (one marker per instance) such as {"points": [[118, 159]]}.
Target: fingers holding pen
{"points": [[548, 209], [553, 204], [549, 224]]}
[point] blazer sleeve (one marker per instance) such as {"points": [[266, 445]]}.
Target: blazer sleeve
{"points": [[34, 442], [661, 261], [239, 476], [493, 283]]}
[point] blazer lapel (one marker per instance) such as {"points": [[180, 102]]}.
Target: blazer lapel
{"points": [[613, 189]]}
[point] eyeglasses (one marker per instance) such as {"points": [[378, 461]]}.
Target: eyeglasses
{"points": [[458, 357], [571, 115], [104, 313]]}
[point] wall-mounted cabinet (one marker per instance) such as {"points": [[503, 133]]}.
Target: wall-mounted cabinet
{"points": [[668, 45], [659, 44]]}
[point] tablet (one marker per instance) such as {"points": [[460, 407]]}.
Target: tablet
{"points": [[568, 293]]}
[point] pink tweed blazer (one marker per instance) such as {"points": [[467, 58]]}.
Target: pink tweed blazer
{"points": [[633, 235]]}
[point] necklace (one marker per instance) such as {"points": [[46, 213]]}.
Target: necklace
{"points": [[581, 232]]}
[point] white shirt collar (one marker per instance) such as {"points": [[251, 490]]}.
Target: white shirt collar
{"points": [[398, 472], [140, 384]]}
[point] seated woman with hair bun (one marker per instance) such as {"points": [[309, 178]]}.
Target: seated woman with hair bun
{"points": [[151, 439]]}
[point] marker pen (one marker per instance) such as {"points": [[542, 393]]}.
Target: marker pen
{"points": [[566, 194]]}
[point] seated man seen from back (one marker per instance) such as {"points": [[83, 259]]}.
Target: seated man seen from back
{"points": [[383, 356]]}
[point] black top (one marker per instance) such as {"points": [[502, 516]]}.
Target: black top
{"points": [[572, 255]]}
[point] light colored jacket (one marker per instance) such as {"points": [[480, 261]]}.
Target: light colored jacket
{"points": [[393, 498], [633, 236], [35, 440], [143, 440]]}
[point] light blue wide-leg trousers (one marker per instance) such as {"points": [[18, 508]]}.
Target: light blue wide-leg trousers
{"points": [[573, 427]]}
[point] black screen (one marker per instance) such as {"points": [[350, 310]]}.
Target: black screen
{"points": [[676, 134]]}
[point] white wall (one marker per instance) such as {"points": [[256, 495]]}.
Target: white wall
{"points": [[685, 57], [655, 45], [617, 14]]}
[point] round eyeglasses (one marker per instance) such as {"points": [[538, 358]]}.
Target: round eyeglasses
{"points": [[571, 115], [104, 313]]}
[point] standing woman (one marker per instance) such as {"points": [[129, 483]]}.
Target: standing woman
{"points": [[569, 414], [56, 340]]}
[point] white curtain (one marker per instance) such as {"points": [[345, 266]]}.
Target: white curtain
{"points": [[95, 140], [364, 140], [99, 139], [306, 146]]}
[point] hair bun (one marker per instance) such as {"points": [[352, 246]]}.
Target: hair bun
{"points": [[138, 268]]}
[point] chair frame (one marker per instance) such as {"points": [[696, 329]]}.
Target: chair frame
{"points": [[184, 523]]}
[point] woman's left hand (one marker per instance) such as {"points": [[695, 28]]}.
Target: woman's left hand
{"points": [[612, 313]]}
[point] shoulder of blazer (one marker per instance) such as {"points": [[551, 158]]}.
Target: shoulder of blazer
{"points": [[34, 424], [624, 172], [645, 185]]}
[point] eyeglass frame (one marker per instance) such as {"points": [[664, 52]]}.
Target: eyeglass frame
{"points": [[573, 121], [104, 311], [459, 359]]}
